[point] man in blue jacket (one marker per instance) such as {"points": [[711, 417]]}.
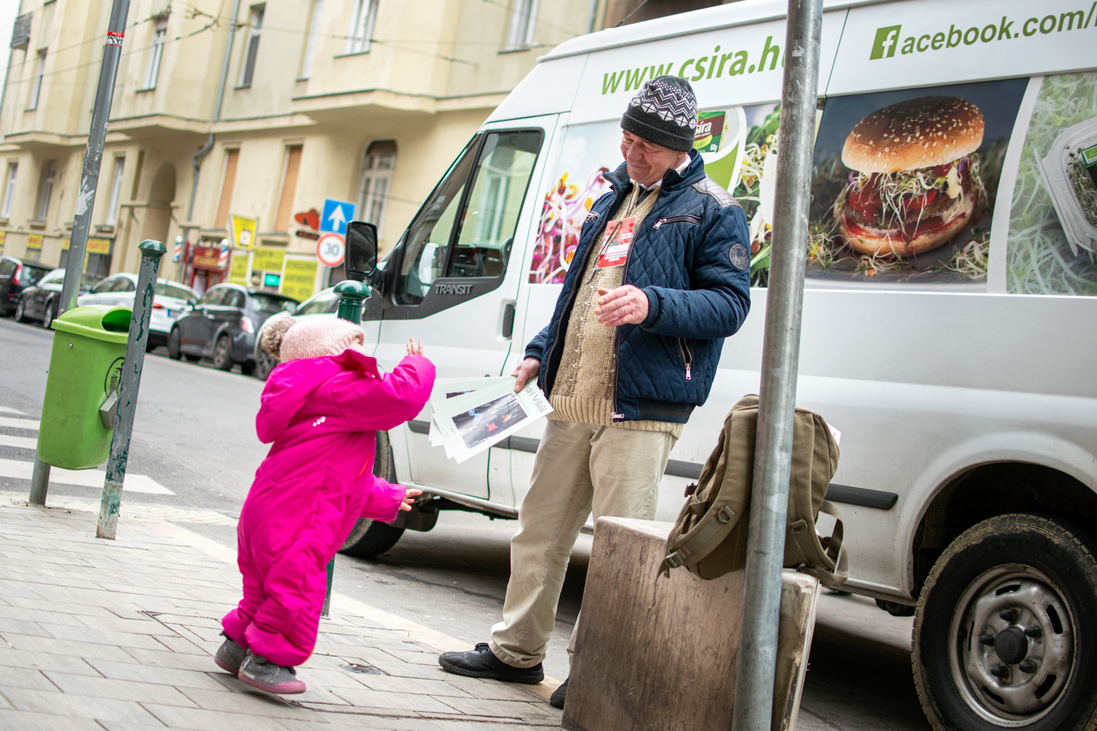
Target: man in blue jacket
{"points": [[659, 279]]}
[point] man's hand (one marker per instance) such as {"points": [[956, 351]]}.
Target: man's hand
{"points": [[621, 306], [526, 370]]}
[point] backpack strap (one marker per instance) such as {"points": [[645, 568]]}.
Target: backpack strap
{"points": [[831, 563], [718, 499]]}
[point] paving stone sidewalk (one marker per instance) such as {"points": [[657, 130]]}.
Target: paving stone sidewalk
{"points": [[119, 636]]}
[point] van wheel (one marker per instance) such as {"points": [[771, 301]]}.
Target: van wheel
{"points": [[175, 345], [222, 354], [369, 538], [21, 311], [1005, 635]]}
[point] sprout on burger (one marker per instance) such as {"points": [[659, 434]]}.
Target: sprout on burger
{"points": [[915, 179]]}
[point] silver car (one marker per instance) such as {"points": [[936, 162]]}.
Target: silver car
{"points": [[168, 303]]}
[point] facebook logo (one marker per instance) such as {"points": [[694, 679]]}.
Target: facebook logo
{"points": [[887, 40]]}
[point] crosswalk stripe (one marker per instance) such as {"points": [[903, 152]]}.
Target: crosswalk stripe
{"points": [[6, 440], [19, 423], [9, 410], [17, 470]]}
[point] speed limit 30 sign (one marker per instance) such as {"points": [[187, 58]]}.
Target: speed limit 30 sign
{"points": [[329, 250]]}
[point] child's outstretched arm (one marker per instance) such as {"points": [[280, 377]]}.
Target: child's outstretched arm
{"points": [[381, 404]]}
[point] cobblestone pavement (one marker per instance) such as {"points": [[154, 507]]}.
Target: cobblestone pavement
{"points": [[119, 636]]}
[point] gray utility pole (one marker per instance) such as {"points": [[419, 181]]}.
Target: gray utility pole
{"points": [[780, 362], [111, 502], [85, 200]]}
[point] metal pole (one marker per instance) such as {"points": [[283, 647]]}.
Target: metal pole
{"points": [[151, 251], [85, 200], [93, 156], [352, 295], [757, 659]]}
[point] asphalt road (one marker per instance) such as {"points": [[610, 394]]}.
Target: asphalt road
{"points": [[194, 435]]}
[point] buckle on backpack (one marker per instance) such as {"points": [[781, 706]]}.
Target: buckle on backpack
{"points": [[725, 514], [674, 560], [798, 526]]}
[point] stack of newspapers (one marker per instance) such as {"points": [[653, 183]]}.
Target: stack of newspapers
{"points": [[468, 415]]}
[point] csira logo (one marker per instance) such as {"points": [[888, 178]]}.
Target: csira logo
{"points": [[886, 43]]}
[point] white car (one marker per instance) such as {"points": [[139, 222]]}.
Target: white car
{"points": [[169, 302]]}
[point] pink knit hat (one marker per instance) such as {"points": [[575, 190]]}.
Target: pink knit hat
{"points": [[288, 339]]}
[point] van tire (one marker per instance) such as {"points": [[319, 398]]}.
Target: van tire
{"points": [[1043, 569], [21, 311], [370, 538]]}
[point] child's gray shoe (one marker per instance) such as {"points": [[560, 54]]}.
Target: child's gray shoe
{"points": [[261, 673], [229, 655]]}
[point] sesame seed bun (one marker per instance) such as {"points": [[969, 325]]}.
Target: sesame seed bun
{"points": [[917, 133]]}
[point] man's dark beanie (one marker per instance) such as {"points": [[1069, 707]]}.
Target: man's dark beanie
{"points": [[664, 112]]}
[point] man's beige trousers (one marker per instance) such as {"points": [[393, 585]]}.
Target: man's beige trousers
{"points": [[579, 468]]}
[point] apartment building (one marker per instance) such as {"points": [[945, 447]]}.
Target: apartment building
{"points": [[233, 121]]}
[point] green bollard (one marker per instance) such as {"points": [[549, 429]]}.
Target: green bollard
{"points": [[111, 504], [352, 296]]}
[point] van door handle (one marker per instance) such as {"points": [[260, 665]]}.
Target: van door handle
{"points": [[508, 319]]}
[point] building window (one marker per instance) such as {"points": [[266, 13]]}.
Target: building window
{"points": [[361, 26], [310, 44], [45, 192], [251, 48], [9, 189], [228, 179], [36, 83], [378, 167], [290, 166], [115, 191], [155, 53], [523, 21]]}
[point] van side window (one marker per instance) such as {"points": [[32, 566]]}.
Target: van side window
{"points": [[487, 231], [477, 242]]}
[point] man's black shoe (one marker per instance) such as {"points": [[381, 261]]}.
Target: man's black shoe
{"points": [[482, 663], [559, 695]]}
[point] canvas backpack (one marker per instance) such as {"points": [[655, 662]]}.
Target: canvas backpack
{"points": [[710, 536]]}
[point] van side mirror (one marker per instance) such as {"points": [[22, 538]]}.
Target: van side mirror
{"points": [[361, 255]]}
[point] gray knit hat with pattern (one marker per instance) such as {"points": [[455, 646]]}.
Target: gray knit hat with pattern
{"points": [[664, 112]]}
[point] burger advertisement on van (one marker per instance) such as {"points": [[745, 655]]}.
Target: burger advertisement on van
{"points": [[905, 183]]}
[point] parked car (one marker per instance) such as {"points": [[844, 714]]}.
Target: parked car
{"points": [[222, 325], [42, 301], [321, 304], [168, 303], [15, 276]]}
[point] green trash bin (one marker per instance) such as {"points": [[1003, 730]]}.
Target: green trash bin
{"points": [[89, 347]]}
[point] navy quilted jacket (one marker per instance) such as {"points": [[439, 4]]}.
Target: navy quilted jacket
{"points": [[691, 257]]}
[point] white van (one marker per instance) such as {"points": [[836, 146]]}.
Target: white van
{"points": [[962, 375]]}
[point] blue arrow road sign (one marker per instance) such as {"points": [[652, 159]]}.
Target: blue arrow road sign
{"points": [[336, 215]]}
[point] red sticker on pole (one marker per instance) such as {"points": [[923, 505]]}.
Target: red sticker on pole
{"points": [[114, 38]]}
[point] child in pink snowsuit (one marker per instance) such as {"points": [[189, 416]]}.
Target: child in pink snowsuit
{"points": [[321, 408]]}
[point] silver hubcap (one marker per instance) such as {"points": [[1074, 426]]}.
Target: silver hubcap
{"points": [[1013, 649], [222, 352]]}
